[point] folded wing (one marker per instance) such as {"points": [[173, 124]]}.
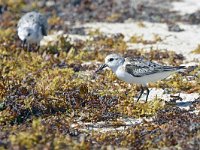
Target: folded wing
{"points": [[140, 67], [34, 18]]}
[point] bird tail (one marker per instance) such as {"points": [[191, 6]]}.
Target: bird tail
{"points": [[180, 67], [170, 68]]}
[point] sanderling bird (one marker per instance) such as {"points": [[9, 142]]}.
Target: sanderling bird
{"points": [[138, 70], [31, 28]]}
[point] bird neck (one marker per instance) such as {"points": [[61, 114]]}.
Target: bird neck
{"points": [[38, 32], [114, 68]]}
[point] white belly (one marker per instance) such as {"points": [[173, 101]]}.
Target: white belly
{"points": [[142, 80], [35, 40]]}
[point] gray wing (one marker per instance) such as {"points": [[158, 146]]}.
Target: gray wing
{"points": [[44, 30], [140, 67], [43, 23], [34, 18]]}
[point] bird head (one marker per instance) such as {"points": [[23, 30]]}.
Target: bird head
{"points": [[25, 34], [112, 61]]}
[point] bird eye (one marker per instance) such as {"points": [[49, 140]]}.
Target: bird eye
{"points": [[29, 34], [111, 59]]}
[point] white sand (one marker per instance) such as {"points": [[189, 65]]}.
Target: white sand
{"points": [[186, 6], [180, 42]]}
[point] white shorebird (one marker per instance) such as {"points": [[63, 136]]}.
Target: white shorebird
{"points": [[137, 70], [31, 28]]}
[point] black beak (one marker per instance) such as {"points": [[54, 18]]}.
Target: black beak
{"points": [[101, 68], [23, 43]]}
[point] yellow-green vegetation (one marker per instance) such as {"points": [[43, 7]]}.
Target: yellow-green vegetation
{"points": [[197, 50], [40, 135], [141, 24], [140, 109], [47, 96], [161, 56], [159, 133], [180, 83], [140, 39], [113, 17], [99, 41]]}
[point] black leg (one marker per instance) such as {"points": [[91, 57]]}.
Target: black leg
{"points": [[141, 92], [38, 47], [147, 93], [23, 44], [28, 47]]}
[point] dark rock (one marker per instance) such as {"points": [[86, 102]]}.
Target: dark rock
{"points": [[193, 18], [174, 28]]}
